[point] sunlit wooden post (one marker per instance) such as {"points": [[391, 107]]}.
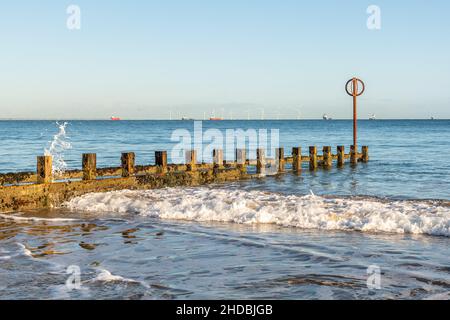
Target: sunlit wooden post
{"points": [[260, 161], [89, 164], [312, 158], [279, 157], [241, 160], [218, 158], [128, 159], [353, 155], [44, 169], [161, 161], [327, 157], [191, 160], [297, 159], [365, 154], [341, 156]]}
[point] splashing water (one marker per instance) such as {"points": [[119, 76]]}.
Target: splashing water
{"points": [[57, 148]]}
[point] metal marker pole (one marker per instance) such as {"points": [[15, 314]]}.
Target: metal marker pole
{"points": [[352, 89]]}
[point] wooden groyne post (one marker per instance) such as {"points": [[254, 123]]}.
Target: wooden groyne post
{"points": [[340, 156], [191, 160], [279, 154], [297, 160], [161, 161], [260, 161], [218, 158], [365, 154], [44, 169], [327, 157], [89, 166], [313, 158], [353, 155], [241, 160], [128, 164]]}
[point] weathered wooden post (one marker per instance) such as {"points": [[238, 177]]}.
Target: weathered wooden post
{"points": [[218, 158], [297, 159], [89, 164], [312, 158], [161, 161], [279, 157], [327, 157], [353, 155], [241, 160], [191, 160], [365, 154], [341, 156], [260, 161], [44, 169], [128, 159]]}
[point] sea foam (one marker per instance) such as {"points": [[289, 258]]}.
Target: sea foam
{"points": [[106, 276], [15, 217], [257, 207]]}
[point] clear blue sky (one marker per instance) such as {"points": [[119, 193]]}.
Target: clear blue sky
{"points": [[141, 59]]}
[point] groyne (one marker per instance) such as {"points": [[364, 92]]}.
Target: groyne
{"points": [[44, 189]]}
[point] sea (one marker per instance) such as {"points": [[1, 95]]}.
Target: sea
{"points": [[378, 230]]}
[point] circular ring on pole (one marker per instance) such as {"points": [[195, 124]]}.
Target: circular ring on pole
{"points": [[350, 87]]}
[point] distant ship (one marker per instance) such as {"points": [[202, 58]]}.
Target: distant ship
{"points": [[215, 119], [372, 117], [326, 117], [186, 119], [115, 118], [432, 118]]}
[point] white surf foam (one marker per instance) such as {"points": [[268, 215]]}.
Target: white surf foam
{"points": [[33, 219], [106, 276], [256, 207], [24, 250]]}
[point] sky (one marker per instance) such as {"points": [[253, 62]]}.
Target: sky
{"points": [[282, 59]]}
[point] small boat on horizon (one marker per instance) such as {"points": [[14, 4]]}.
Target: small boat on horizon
{"points": [[115, 118], [326, 117], [373, 117]]}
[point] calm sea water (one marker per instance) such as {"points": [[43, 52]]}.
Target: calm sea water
{"points": [[267, 238]]}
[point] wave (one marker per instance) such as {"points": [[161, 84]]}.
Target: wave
{"points": [[257, 207]]}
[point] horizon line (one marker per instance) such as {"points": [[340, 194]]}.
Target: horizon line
{"points": [[193, 119]]}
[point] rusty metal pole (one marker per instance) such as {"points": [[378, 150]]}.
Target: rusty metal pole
{"points": [[352, 88], [355, 114]]}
